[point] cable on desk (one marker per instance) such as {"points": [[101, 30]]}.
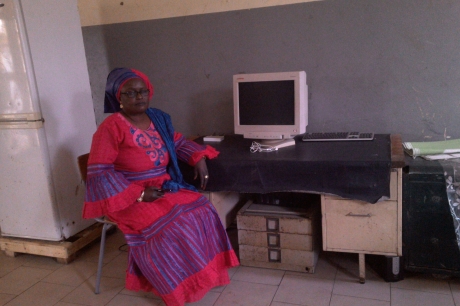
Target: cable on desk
{"points": [[257, 147]]}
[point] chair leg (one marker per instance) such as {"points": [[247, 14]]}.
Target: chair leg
{"points": [[105, 227]]}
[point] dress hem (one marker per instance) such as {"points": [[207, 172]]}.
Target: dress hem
{"points": [[196, 286]]}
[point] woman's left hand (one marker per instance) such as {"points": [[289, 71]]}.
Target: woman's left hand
{"points": [[202, 170]]}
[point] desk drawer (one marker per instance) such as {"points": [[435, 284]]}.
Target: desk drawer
{"points": [[359, 227], [284, 259], [294, 225], [276, 240]]}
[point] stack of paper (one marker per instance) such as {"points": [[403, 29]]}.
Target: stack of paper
{"points": [[434, 150]]}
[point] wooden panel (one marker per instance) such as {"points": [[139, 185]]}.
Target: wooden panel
{"points": [[226, 204], [64, 251], [397, 151]]}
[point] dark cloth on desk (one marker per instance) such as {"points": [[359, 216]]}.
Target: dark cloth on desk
{"points": [[353, 169]]}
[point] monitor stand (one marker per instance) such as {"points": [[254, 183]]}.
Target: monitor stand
{"points": [[279, 143]]}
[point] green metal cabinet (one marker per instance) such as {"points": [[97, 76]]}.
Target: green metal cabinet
{"points": [[429, 240]]}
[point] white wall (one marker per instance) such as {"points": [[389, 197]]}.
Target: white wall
{"points": [[98, 12]]}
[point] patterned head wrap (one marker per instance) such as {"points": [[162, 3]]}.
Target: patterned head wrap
{"points": [[115, 81]]}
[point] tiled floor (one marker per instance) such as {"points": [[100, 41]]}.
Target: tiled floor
{"points": [[34, 280]]}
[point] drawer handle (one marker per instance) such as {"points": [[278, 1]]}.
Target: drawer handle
{"points": [[273, 224], [273, 240], [274, 255], [350, 214]]}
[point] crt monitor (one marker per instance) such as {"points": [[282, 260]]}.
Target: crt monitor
{"points": [[270, 106]]}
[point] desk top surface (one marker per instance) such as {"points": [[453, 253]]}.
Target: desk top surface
{"points": [[352, 169], [235, 147]]}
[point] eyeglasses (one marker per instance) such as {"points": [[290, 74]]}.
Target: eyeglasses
{"points": [[133, 93]]}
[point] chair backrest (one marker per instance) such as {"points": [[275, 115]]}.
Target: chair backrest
{"points": [[83, 165]]}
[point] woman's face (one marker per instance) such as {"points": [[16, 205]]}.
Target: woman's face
{"points": [[134, 97]]}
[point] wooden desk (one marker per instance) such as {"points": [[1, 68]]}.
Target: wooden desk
{"points": [[362, 173]]}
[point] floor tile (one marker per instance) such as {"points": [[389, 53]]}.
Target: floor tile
{"points": [[208, 300], [282, 304], [5, 298], [340, 300], [239, 293], [117, 267], [143, 294], [377, 290], [123, 300], [21, 279], [91, 253], [325, 268], [259, 275], [72, 274], [42, 262], [423, 282], [8, 264], [37, 280], [303, 290], [84, 294], [219, 289], [455, 289], [348, 268], [41, 294], [116, 240], [403, 297], [232, 271]]}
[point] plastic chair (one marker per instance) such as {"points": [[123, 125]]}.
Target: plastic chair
{"points": [[107, 224]]}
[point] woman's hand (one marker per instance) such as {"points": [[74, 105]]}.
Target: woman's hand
{"points": [[201, 170], [152, 193]]}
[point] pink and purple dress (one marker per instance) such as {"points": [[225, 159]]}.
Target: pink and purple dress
{"points": [[178, 248]]}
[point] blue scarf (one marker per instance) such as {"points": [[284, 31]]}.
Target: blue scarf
{"points": [[163, 124]]}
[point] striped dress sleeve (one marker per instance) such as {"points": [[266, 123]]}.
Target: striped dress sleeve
{"points": [[191, 152], [107, 190]]}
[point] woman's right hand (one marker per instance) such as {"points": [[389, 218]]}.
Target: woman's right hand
{"points": [[152, 193]]}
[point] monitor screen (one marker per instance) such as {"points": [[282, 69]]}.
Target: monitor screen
{"points": [[267, 103]]}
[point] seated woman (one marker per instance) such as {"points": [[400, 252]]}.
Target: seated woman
{"points": [[178, 248]]}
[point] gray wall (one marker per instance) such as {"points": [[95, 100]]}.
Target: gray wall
{"points": [[384, 66]]}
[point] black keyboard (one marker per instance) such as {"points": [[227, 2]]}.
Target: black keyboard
{"points": [[337, 136]]}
